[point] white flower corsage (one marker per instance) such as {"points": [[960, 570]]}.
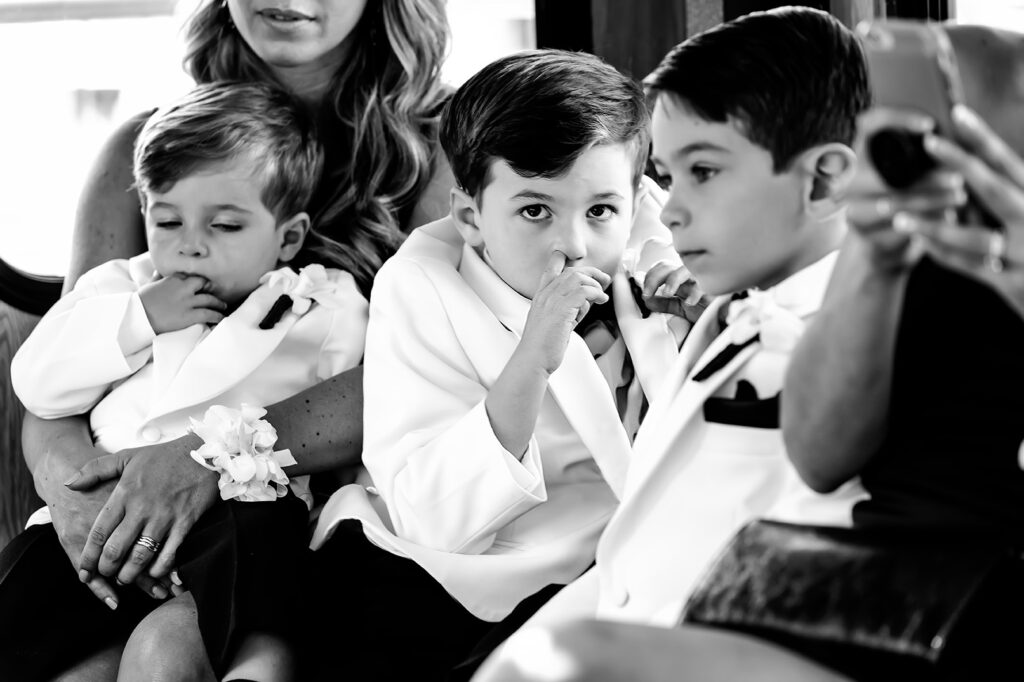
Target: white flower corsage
{"points": [[758, 313], [240, 446]]}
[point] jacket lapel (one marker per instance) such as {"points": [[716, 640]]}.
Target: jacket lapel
{"points": [[489, 317], [680, 406], [650, 342], [586, 400], [227, 355]]}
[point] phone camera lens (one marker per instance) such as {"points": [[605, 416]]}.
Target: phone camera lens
{"points": [[899, 157]]}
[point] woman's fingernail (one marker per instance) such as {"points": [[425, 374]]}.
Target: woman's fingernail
{"points": [[921, 124], [903, 222], [84, 575], [175, 579], [963, 115], [74, 477], [159, 592], [111, 602]]}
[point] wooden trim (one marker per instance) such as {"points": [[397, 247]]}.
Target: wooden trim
{"points": [[564, 24], [32, 294], [17, 495], [635, 36]]}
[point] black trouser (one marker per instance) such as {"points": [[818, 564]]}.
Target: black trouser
{"points": [[49, 621], [385, 618], [244, 562]]}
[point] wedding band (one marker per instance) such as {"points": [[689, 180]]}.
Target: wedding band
{"points": [[995, 259], [149, 543]]}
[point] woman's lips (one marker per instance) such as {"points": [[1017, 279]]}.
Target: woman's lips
{"points": [[283, 15]]}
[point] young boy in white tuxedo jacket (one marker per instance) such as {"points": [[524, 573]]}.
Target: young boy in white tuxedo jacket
{"points": [[498, 419], [209, 320], [752, 127]]}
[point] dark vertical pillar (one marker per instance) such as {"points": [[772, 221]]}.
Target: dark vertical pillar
{"points": [[564, 24]]}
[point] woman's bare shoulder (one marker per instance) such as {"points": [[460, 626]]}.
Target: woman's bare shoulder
{"points": [[108, 223]]}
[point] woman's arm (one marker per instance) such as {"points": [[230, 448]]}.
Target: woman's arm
{"points": [[162, 492], [108, 222], [836, 399], [57, 449]]}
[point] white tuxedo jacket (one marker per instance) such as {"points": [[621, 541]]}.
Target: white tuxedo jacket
{"points": [[694, 482], [491, 529], [95, 350]]}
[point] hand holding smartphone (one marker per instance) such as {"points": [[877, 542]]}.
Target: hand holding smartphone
{"points": [[911, 66]]}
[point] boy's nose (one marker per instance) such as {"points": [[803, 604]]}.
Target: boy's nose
{"points": [[674, 214], [572, 242], [192, 245]]}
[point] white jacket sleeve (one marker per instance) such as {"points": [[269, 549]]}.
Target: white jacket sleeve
{"points": [[346, 339], [91, 338], [428, 444]]}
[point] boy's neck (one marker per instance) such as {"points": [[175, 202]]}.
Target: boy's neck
{"points": [[822, 238]]}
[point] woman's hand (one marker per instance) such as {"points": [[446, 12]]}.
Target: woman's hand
{"points": [[872, 206], [995, 175], [161, 494]]}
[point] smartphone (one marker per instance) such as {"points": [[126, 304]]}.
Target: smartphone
{"points": [[912, 66]]}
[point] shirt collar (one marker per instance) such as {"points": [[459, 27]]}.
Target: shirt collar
{"points": [[508, 305], [803, 291]]}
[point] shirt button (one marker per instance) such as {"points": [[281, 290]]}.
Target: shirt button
{"points": [[151, 434]]}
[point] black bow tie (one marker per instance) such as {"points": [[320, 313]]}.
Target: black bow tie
{"points": [[726, 355]]}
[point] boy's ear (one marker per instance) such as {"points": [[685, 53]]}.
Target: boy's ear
{"points": [[466, 216], [828, 170], [292, 234]]}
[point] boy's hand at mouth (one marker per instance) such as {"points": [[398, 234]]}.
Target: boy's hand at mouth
{"points": [[180, 301], [564, 295]]}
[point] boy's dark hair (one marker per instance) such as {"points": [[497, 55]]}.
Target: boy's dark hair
{"points": [[538, 111], [256, 121], [791, 77], [222, 121]]}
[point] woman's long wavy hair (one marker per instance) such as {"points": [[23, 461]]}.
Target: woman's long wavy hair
{"points": [[378, 121]]}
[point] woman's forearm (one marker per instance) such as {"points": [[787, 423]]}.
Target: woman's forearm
{"points": [[836, 397], [323, 425], [54, 449]]}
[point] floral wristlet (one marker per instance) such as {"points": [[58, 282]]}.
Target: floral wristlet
{"points": [[239, 444]]}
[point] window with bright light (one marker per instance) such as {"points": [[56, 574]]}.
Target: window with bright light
{"points": [[75, 69], [1006, 14]]}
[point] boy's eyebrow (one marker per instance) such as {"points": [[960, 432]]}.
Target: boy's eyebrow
{"points": [[540, 196], [218, 207], [531, 194], [692, 148]]}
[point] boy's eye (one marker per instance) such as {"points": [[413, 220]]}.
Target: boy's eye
{"points": [[535, 212], [227, 227], [168, 224], [703, 173], [602, 212]]}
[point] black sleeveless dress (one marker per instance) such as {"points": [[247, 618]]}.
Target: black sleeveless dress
{"points": [[950, 461]]}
